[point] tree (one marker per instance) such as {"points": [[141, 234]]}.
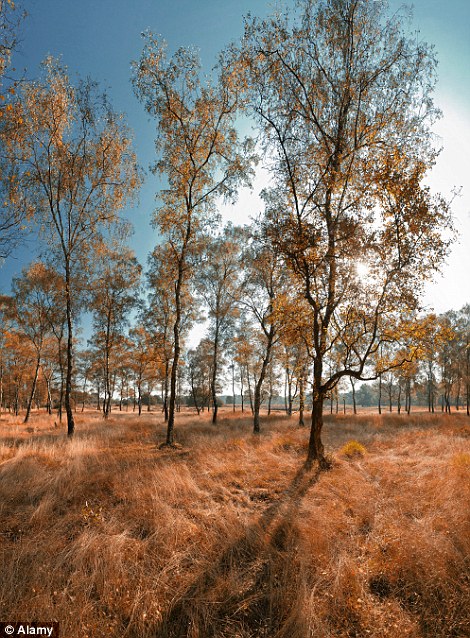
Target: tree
{"points": [[343, 100], [160, 317], [218, 282], [114, 294], [74, 170], [200, 158], [199, 374], [32, 298], [464, 329], [262, 288], [5, 328], [143, 358], [11, 218]]}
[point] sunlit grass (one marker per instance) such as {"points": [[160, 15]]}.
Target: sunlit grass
{"points": [[226, 536]]}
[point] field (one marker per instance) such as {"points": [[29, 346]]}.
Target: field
{"points": [[227, 536]]}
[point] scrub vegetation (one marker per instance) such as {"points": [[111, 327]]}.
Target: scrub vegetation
{"points": [[227, 535]]}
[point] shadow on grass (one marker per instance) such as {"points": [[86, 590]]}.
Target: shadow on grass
{"points": [[254, 588]]}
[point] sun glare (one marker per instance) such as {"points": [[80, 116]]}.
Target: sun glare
{"points": [[362, 269]]}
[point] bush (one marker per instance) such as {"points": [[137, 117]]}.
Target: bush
{"points": [[353, 449]]}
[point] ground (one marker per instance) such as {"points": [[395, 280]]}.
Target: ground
{"points": [[228, 536]]}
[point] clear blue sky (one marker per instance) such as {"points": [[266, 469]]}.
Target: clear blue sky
{"points": [[99, 38]]}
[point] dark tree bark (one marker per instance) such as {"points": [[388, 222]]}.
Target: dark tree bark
{"points": [[33, 390]]}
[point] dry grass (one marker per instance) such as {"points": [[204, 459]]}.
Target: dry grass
{"points": [[228, 536]]}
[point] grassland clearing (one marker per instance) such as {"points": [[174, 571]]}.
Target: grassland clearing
{"points": [[227, 536]]}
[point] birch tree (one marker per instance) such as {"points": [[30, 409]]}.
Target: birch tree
{"points": [[114, 295], [74, 170], [200, 158], [218, 282], [343, 99]]}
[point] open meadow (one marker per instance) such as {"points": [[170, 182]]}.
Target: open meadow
{"points": [[228, 536]]}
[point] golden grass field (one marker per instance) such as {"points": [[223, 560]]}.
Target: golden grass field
{"points": [[228, 536]]}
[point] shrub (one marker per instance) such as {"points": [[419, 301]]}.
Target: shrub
{"points": [[353, 449]]}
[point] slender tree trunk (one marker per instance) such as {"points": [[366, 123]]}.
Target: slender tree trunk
{"points": [[467, 366], [62, 382], [457, 395], [149, 393], [16, 404], [286, 409], [270, 389], [233, 387], [33, 390], [49, 394], [380, 394], [259, 383], [139, 397], [1, 390], [250, 394], [69, 368], [107, 381], [289, 391], [176, 355], [193, 392], [165, 389], [215, 360], [84, 392], [353, 387], [302, 398]]}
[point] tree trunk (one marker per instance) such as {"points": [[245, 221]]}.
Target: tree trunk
{"points": [[457, 395], [176, 355], [193, 391], [289, 399], [259, 384], [353, 386], [69, 368], [270, 399], [380, 394], [250, 394], [62, 380], [233, 387], [165, 389], [467, 366], [33, 390], [1, 390], [215, 358], [84, 392], [301, 398], [139, 398], [316, 450], [107, 381], [49, 395]]}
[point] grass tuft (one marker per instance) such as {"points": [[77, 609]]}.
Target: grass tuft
{"points": [[352, 450]]}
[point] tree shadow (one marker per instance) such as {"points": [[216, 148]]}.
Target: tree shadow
{"points": [[255, 587]]}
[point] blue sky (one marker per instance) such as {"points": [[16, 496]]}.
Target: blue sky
{"points": [[99, 38]]}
